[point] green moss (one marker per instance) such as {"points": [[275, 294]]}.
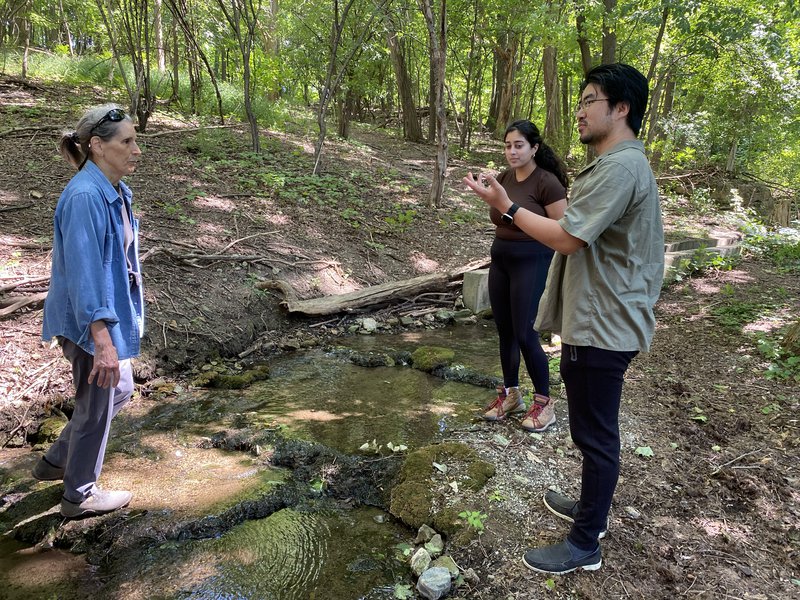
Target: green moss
{"points": [[50, 429], [227, 381], [414, 493], [427, 358]]}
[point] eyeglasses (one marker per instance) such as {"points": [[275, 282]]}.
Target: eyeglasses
{"points": [[115, 115], [586, 103]]}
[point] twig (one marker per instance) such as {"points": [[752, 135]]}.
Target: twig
{"points": [[11, 286], [187, 130], [17, 207], [233, 243], [741, 456], [323, 323], [18, 427], [17, 303]]}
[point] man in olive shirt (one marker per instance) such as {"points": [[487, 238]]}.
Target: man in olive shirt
{"points": [[602, 285]]}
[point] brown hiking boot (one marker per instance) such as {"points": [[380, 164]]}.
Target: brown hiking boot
{"points": [[541, 415], [505, 404]]}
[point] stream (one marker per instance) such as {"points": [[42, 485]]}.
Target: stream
{"points": [[315, 549]]}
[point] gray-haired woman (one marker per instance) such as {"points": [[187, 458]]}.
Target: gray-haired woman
{"points": [[94, 305]]}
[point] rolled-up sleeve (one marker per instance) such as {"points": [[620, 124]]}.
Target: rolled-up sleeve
{"points": [[84, 229]]}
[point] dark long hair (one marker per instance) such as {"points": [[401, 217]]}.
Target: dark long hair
{"points": [[544, 157]]}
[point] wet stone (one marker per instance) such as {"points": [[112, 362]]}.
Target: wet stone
{"points": [[435, 546], [424, 534], [420, 561], [434, 583], [448, 563]]}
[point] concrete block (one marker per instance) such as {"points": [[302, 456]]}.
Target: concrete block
{"points": [[475, 290]]}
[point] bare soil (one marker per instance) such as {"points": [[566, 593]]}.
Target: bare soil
{"points": [[713, 513]]}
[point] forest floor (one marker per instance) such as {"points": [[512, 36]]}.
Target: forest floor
{"points": [[713, 513]]}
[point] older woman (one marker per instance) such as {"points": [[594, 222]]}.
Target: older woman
{"points": [[94, 306]]}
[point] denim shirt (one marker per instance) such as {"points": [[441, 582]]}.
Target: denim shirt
{"points": [[89, 280]]}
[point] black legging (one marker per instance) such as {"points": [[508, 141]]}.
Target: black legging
{"points": [[517, 276]]}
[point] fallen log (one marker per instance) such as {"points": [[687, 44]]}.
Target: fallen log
{"points": [[375, 294], [18, 302]]}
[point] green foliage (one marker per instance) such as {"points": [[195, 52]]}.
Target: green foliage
{"points": [[734, 314], [474, 519], [403, 591], [783, 364], [496, 496], [697, 414], [401, 220], [782, 248], [702, 261]]}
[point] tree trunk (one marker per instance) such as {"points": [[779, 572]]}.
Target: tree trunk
{"points": [[332, 78], [609, 32], [583, 41], [505, 57], [158, 35], [666, 109], [176, 64], [466, 131], [180, 13], [438, 43], [653, 65], [552, 124], [411, 127], [26, 52], [730, 164], [65, 23], [344, 112]]}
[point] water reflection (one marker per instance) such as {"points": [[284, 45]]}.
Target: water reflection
{"points": [[290, 555]]}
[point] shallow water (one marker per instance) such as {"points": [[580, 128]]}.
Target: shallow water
{"points": [[292, 554]]}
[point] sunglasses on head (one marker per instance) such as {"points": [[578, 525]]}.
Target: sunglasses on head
{"points": [[115, 115]]}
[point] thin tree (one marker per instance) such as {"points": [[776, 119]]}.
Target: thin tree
{"points": [[180, 13], [437, 35], [335, 72], [135, 29], [242, 17]]}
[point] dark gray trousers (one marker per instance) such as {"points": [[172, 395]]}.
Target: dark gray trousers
{"points": [[81, 447]]}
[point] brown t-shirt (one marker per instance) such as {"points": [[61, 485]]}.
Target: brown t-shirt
{"points": [[535, 192]]}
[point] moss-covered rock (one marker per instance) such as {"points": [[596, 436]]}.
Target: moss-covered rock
{"points": [[50, 429], [427, 358], [422, 494], [215, 378]]}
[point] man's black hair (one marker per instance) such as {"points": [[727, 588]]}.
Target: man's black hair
{"points": [[621, 83]]}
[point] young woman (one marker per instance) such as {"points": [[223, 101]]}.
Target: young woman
{"points": [[536, 180], [94, 306]]}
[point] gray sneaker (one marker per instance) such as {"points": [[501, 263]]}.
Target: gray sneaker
{"points": [[46, 471], [566, 508], [100, 502], [562, 558]]}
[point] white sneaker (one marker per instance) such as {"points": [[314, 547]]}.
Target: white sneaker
{"points": [[100, 502]]}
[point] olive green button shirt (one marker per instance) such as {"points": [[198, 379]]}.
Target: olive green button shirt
{"points": [[603, 295]]}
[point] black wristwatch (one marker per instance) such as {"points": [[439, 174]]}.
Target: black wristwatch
{"points": [[509, 216]]}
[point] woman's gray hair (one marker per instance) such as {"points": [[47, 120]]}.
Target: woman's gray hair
{"points": [[74, 145]]}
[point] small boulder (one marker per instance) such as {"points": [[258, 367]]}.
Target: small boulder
{"points": [[434, 583], [424, 534], [420, 561]]}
